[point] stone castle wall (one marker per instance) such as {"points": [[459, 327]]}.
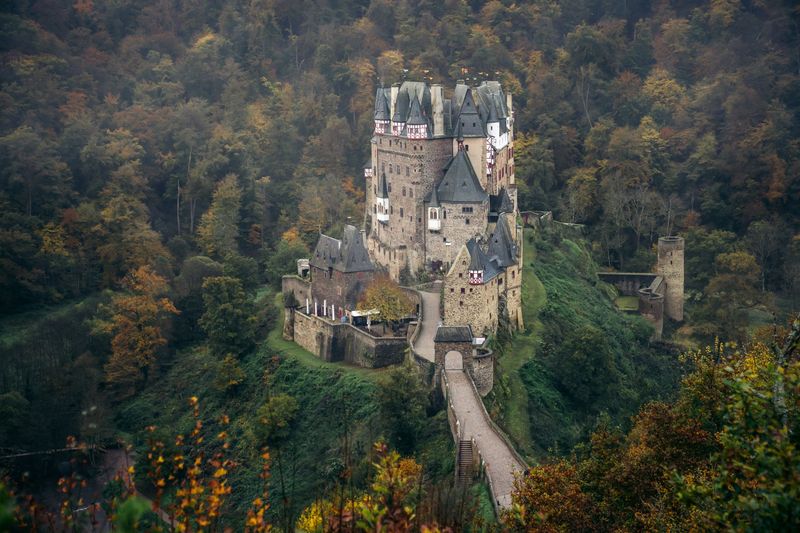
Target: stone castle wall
{"points": [[475, 305], [296, 289], [457, 228], [482, 371], [338, 288], [411, 168], [342, 342]]}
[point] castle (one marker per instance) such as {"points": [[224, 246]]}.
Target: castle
{"points": [[441, 197]]}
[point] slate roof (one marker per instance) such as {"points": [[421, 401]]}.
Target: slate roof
{"points": [[469, 122], [460, 184], [501, 202], [478, 260], [346, 255], [415, 114], [383, 189], [453, 334], [432, 199], [465, 114], [382, 105], [502, 248]]}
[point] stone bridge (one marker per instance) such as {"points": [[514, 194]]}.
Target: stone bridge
{"points": [[481, 446]]}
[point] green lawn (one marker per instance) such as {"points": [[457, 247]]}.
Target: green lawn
{"points": [[627, 303]]}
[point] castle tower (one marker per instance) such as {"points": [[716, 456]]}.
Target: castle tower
{"points": [[670, 267]]}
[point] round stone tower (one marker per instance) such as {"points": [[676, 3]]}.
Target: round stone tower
{"points": [[670, 267]]}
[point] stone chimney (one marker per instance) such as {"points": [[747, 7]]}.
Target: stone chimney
{"points": [[395, 90], [437, 108]]}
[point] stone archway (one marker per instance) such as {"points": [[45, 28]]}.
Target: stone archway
{"points": [[453, 360]]}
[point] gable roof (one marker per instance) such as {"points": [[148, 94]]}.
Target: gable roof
{"points": [[346, 255], [460, 184]]}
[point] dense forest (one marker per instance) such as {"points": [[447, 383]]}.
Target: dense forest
{"points": [[164, 162]]}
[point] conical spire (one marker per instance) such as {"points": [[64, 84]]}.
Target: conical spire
{"points": [[415, 117], [383, 189], [381, 105]]}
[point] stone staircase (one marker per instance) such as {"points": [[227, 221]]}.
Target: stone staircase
{"points": [[465, 461]]}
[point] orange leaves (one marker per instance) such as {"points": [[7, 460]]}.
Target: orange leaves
{"points": [[134, 322]]}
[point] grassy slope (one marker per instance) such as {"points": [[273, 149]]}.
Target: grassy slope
{"points": [[515, 405], [560, 293], [311, 458]]}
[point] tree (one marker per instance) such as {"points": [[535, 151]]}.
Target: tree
{"points": [[275, 419], [229, 320], [550, 498], [230, 375], [388, 298], [402, 399], [730, 293], [218, 233], [135, 321], [31, 172], [583, 366]]}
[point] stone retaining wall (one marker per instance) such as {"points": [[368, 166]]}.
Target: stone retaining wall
{"points": [[343, 342]]}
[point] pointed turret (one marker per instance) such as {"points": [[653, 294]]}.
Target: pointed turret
{"points": [[382, 200], [434, 211], [417, 124], [481, 269], [502, 248], [382, 115]]}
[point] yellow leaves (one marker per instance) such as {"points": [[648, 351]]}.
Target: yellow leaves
{"points": [[220, 472], [663, 90], [205, 39]]}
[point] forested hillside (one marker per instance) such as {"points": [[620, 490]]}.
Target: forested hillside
{"points": [[164, 162]]}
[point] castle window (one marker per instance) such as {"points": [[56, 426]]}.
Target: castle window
{"points": [[401, 212], [460, 274], [461, 303], [383, 166], [513, 274], [463, 290], [452, 289], [404, 191], [466, 148], [466, 221], [390, 168], [466, 210], [389, 186], [444, 239], [391, 210], [407, 171]]}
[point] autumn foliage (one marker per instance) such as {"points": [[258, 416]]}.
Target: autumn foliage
{"points": [[135, 322]]}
